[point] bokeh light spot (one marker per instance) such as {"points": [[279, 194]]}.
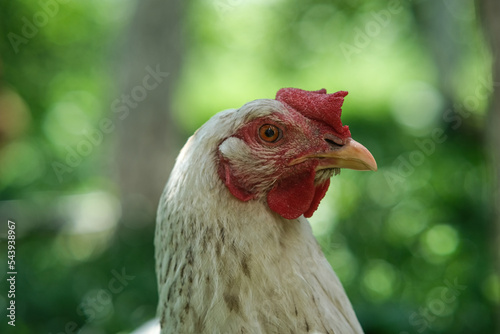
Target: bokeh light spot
{"points": [[406, 221], [417, 105], [64, 122], [439, 241], [379, 280], [344, 263], [21, 163], [491, 288]]}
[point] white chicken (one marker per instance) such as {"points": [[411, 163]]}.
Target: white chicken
{"points": [[234, 251]]}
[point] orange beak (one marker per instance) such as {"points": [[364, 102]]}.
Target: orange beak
{"points": [[351, 155]]}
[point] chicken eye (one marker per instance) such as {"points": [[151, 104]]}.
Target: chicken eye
{"points": [[269, 133]]}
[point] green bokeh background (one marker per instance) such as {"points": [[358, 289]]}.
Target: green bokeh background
{"points": [[396, 237]]}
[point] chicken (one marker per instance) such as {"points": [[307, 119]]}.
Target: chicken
{"points": [[234, 251]]}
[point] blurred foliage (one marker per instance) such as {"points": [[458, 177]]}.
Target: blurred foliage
{"points": [[396, 238]]}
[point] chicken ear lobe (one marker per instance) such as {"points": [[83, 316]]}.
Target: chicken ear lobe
{"points": [[296, 195], [231, 183]]}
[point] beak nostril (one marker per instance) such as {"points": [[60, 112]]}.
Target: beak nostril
{"points": [[334, 141]]}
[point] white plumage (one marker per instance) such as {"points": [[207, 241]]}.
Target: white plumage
{"points": [[226, 265]]}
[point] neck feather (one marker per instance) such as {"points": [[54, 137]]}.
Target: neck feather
{"points": [[229, 266]]}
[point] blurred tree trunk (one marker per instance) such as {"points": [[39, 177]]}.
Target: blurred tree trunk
{"points": [[441, 29], [490, 10], [148, 138], [437, 26]]}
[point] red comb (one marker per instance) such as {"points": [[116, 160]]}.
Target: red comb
{"points": [[317, 105]]}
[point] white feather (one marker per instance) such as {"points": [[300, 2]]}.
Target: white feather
{"points": [[227, 266]]}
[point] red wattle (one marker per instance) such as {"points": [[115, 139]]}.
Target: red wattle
{"points": [[296, 195], [318, 196]]}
